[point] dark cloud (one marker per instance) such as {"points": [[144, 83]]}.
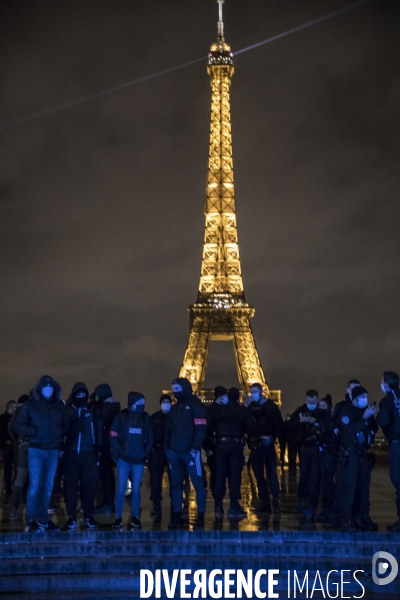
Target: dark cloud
{"points": [[101, 205]]}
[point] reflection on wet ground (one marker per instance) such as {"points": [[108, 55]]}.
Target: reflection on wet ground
{"points": [[382, 507]]}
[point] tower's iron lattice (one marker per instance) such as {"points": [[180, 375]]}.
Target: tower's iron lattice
{"points": [[221, 311]]}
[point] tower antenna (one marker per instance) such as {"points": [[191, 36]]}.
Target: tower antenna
{"points": [[220, 21]]}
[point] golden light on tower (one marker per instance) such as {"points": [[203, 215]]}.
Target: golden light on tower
{"points": [[221, 311]]}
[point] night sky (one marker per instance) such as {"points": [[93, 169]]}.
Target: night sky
{"points": [[101, 205]]}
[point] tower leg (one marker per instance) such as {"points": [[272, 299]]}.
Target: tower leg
{"points": [[247, 358], [195, 358]]}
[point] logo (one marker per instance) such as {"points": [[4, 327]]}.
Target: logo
{"points": [[383, 567]]}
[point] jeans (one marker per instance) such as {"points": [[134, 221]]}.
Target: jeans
{"points": [[123, 471], [193, 463], [42, 470]]}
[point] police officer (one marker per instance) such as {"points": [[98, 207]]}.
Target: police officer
{"points": [[304, 423], [328, 446], [337, 411], [157, 460], [82, 450], [185, 431], [269, 424], [209, 444], [230, 422], [389, 419], [357, 429]]}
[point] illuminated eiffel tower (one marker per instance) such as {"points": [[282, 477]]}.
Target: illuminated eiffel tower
{"points": [[221, 311]]}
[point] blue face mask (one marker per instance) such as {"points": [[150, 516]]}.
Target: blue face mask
{"points": [[47, 391], [138, 408], [311, 406]]}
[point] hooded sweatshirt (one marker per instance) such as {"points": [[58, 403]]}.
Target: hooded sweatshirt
{"points": [[131, 434], [186, 426], [43, 421], [109, 408], [85, 425]]}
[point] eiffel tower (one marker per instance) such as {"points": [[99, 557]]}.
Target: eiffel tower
{"points": [[221, 311]]}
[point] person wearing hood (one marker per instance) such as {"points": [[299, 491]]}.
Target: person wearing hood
{"points": [[263, 458], [389, 419], [82, 450], [357, 429], [109, 408], [157, 459], [184, 435], [131, 439], [43, 420], [230, 421]]}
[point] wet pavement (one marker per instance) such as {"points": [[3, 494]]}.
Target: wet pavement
{"points": [[382, 507]]}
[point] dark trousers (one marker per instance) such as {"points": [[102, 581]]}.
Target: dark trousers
{"points": [[8, 461], [177, 462], [157, 462], [229, 464], [80, 468], [211, 463], [107, 476], [353, 481], [394, 470], [310, 474], [328, 471], [292, 454], [265, 457]]}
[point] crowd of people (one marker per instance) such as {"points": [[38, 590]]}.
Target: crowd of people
{"points": [[88, 440]]}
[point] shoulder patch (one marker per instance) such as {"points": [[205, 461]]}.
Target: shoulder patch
{"points": [[200, 422], [187, 407], [345, 420], [113, 434]]}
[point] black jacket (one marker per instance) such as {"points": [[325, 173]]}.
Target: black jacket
{"points": [[356, 433], [186, 425], [109, 409], [268, 418], [389, 415], [131, 437], [42, 421], [307, 433], [230, 420], [5, 437], [84, 425], [159, 420]]}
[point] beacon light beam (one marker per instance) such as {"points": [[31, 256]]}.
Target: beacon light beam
{"points": [[117, 88]]}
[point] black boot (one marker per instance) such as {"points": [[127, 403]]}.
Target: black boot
{"points": [[176, 521], [276, 505], [156, 509], [219, 511], [236, 511], [199, 522], [264, 504], [395, 528]]}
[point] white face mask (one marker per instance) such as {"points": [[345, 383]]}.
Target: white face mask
{"points": [[165, 407], [47, 391], [311, 406], [362, 402], [256, 396], [384, 387], [224, 399]]}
